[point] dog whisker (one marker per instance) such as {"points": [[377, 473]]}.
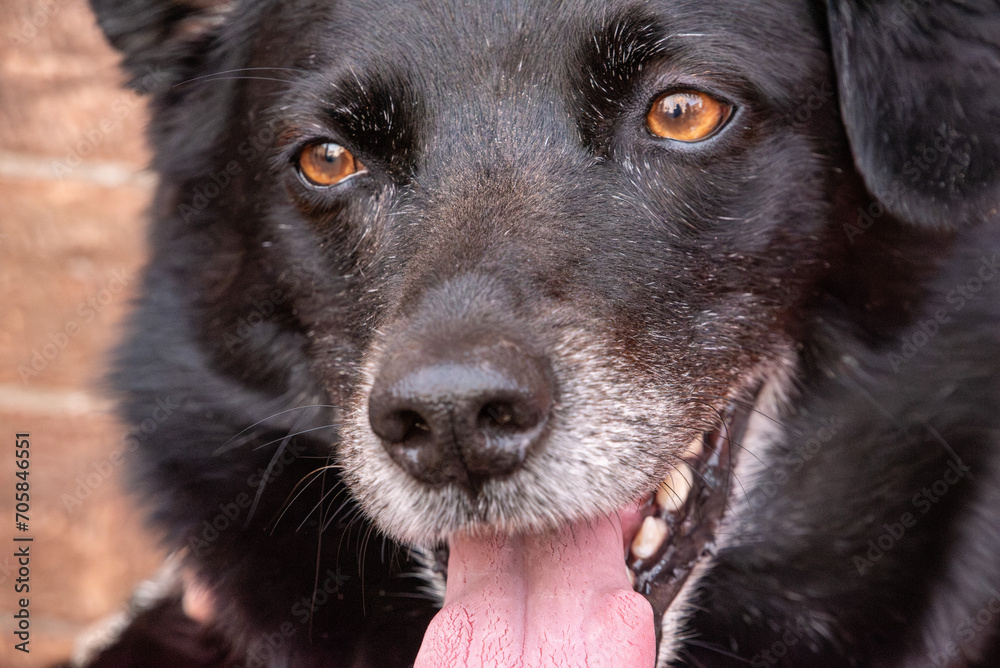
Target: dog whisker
{"points": [[229, 444], [230, 75]]}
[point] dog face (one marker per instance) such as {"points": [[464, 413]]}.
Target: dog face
{"points": [[545, 262], [532, 250]]}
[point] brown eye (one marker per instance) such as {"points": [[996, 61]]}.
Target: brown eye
{"points": [[687, 116], [327, 164]]}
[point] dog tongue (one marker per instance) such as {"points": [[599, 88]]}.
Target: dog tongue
{"points": [[527, 601]]}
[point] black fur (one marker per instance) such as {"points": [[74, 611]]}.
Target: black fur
{"points": [[846, 219]]}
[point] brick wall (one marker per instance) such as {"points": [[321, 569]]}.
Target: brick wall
{"points": [[72, 199]]}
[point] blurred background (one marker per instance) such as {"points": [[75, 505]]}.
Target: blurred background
{"points": [[73, 196]]}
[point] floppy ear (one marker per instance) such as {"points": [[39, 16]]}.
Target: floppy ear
{"points": [[158, 36], [919, 85]]}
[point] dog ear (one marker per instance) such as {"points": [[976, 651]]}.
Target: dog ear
{"points": [[157, 37], [919, 85]]}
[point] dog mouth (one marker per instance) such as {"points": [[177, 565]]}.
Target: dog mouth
{"points": [[593, 593], [680, 521]]}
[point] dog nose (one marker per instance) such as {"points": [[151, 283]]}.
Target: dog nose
{"points": [[460, 414]]}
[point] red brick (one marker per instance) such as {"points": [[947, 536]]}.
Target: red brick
{"points": [[60, 243], [62, 96], [85, 556], [67, 248]]}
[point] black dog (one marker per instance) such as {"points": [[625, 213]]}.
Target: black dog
{"points": [[657, 329]]}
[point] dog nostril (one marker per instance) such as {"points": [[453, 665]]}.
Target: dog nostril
{"points": [[496, 413], [460, 416], [515, 413], [405, 425]]}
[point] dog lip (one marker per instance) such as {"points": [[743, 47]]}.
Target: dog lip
{"points": [[692, 523]]}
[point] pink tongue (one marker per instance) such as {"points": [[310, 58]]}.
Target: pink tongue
{"points": [[554, 599]]}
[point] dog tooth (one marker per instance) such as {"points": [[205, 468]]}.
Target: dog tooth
{"points": [[631, 576], [673, 491], [695, 449], [664, 497], [650, 537]]}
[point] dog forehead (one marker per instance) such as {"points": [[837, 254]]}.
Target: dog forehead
{"points": [[487, 21], [453, 42]]}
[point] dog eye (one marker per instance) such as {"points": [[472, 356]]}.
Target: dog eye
{"points": [[326, 164], [687, 116]]}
